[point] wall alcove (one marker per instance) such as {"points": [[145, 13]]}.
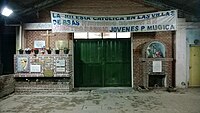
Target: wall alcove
{"points": [[154, 64]]}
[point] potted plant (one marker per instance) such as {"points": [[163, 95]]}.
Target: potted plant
{"points": [[27, 50], [66, 50], [36, 50], [57, 51], [48, 50], [42, 51], [20, 51]]}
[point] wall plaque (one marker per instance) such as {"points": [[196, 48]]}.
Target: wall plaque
{"points": [[60, 62], [35, 68], [157, 66]]}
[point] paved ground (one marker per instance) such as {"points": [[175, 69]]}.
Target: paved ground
{"points": [[104, 100]]}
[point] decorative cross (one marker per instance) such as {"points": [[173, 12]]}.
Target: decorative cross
{"points": [[47, 38]]}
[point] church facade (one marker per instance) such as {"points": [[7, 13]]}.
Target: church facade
{"points": [[115, 57]]}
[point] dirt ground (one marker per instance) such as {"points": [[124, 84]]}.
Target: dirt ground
{"points": [[104, 100]]}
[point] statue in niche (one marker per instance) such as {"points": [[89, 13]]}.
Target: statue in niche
{"points": [[155, 50]]}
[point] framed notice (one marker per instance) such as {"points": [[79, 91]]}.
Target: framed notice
{"points": [[157, 66], [35, 68], [39, 44], [60, 62]]}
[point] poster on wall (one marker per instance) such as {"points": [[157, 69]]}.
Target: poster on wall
{"points": [[144, 22], [22, 64], [39, 44]]}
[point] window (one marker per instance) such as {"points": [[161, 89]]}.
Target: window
{"points": [[94, 35], [124, 35], [99, 35], [80, 35], [109, 35]]}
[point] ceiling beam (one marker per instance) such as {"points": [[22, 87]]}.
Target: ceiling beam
{"points": [[170, 4], [40, 6]]}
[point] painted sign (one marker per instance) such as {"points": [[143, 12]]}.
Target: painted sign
{"points": [[147, 22], [22, 64], [155, 50]]}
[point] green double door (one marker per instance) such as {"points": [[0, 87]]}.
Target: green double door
{"points": [[102, 63]]}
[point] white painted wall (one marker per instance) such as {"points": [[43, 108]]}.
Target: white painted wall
{"points": [[192, 34], [180, 45], [182, 52]]}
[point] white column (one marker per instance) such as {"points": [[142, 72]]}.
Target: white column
{"points": [[19, 37], [132, 84], [181, 52]]}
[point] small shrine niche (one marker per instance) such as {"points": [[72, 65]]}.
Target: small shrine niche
{"points": [[155, 50], [155, 70]]}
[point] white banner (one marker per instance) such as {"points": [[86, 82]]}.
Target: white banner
{"points": [[147, 22]]}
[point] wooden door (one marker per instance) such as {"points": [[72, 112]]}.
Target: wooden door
{"points": [[194, 80]]}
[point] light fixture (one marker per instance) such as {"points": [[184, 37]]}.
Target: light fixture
{"points": [[6, 11]]}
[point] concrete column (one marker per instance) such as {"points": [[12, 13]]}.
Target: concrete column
{"points": [[181, 51], [19, 37]]}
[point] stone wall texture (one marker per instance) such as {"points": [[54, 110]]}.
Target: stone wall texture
{"points": [[39, 81], [7, 85], [32, 85]]}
